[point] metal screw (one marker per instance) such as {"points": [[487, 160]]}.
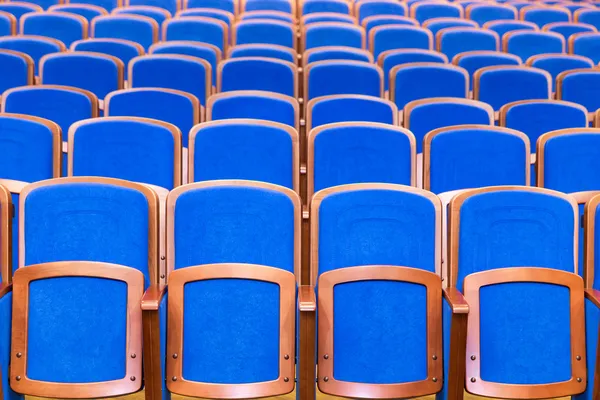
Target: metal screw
{"points": [[18, 377], [287, 357], [286, 379], [162, 258], [175, 355], [473, 380], [162, 276], [174, 378], [434, 357], [578, 379], [434, 379], [19, 355], [132, 378], [326, 356], [578, 358], [133, 355], [326, 379], [473, 358]]}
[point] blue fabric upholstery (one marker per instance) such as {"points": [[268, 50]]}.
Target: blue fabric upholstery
{"points": [[225, 5], [199, 50], [327, 17], [322, 6], [592, 320], [587, 45], [124, 50], [208, 12], [5, 332], [265, 32], [502, 27], [483, 13], [498, 87], [334, 34], [336, 53], [544, 15], [555, 64], [45, 4], [269, 15], [380, 7], [129, 27], [198, 29], [87, 12], [458, 40], [361, 153], [591, 17], [426, 11], [374, 22], [35, 48], [426, 117], [74, 69], [13, 70], [580, 242], [64, 27], [174, 108], [158, 15], [18, 10], [398, 57], [567, 29], [421, 81], [234, 224], [474, 61], [237, 150], [15, 232], [169, 5], [267, 51], [527, 44], [351, 108], [442, 23], [256, 73], [255, 106], [6, 25], [108, 5], [343, 77], [268, 5], [172, 72], [596, 244], [582, 88], [476, 157], [390, 37]]}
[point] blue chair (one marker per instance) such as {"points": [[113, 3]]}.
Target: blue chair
{"points": [[453, 41], [172, 72], [362, 287], [327, 17], [170, 6], [574, 7], [437, 24], [132, 148], [254, 104], [261, 31], [124, 50], [579, 86], [16, 69], [205, 51], [224, 16], [179, 108], [558, 63], [566, 29], [136, 28], [108, 5], [257, 73], [8, 24], [425, 115], [474, 156], [74, 69], [585, 44], [347, 108], [268, 15], [504, 84], [391, 58], [286, 6], [247, 149], [197, 29], [474, 60], [62, 26], [158, 14], [325, 6], [324, 78], [426, 10], [335, 53], [416, 81], [543, 15], [392, 37], [370, 8], [230, 6], [263, 50], [527, 43], [378, 20], [501, 27], [87, 11], [588, 16], [17, 9], [484, 12], [34, 46], [359, 152], [333, 34]]}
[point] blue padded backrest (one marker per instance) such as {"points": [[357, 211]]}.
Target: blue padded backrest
{"points": [[334, 34], [459, 40], [86, 11], [62, 26], [234, 224], [558, 63], [269, 15], [399, 57], [429, 116], [327, 17], [374, 22], [572, 162], [269, 5], [421, 81], [108, 5], [472, 62], [18, 10], [225, 5], [256, 106], [124, 50], [208, 12], [62, 106], [325, 6], [265, 32], [476, 157], [171, 72], [267, 51], [158, 15], [427, 11], [498, 87], [169, 5], [172, 107], [73, 69], [371, 8], [587, 45], [351, 108], [502, 27], [6, 24], [199, 50], [140, 151], [45, 4], [129, 27], [257, 73], [239, 150], [389, 37], [544, 15], [582, 88], [343, 77], [483, 13], [437, 25], [336, 53], [536, 118], [198, 29], [527, 44], [83, 221], [591, 17], [596, 244], [567, 29], [357, 153], [14, 70], [34, 47]]}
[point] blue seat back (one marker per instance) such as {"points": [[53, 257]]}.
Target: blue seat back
{"points": [[221, 15], [197, 29], [264, 31], [132, 148], [502, 27], [588, 16], [370, 8], [423, 116], [359, 152], [526, 43], [333, 34], [225, 5], [314, 18], [179, 108], [137, 28], [558, 63], [391, 58], [482, 12], [325, 6], [18, 9], [124, 50], [171, 6], [453, 41], [474, 60], [346, 108], [269, 5], [378, 20], [205, 51], [257, 73], [391, 37], [8, 24], [73, 69], [591, 276], [501, 85], [416, 81], [65, 27], [87, 11], [16, 69], [566, 29], [158, 14], [423, 11], [579, 86], [336, 53], [342, 77], [544, 15], [172, 72], [269, 15], [263, 50], [34, 46], [108, 5], [437, 24], [587, 45]]}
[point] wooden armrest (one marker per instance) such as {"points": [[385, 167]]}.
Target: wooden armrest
{"points": [[307, 301], [5, 288], [457, 301], [593, 295], [153, 296]]}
